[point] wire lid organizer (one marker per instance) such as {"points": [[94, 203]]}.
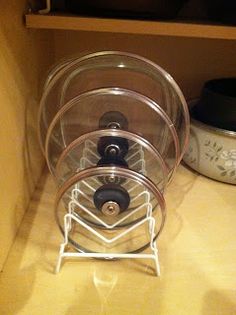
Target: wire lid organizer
{"points": [[113, 128]]}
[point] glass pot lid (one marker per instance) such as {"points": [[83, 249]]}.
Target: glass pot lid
{"points": [[133, 112], [89, 202], [113, 69], [91, 149]]}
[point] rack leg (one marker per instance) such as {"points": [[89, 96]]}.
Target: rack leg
{"points": [[60, 256], [156, 259], [153, 245]]}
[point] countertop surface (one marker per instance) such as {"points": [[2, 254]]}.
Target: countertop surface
{"points": [[197, 255]]}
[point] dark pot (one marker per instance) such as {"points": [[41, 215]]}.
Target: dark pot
{"points": [[217, 105]]}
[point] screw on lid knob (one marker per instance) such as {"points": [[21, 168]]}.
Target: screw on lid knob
{"points": [[113, 119], [111, 146], [111, 199], [110, 208], [112, 161]]}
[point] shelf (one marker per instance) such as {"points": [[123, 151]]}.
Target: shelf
{"points": [[63, 22], [197, 256]]}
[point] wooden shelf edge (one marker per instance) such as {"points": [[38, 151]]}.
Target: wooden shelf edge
{"points": [[62, 22]]}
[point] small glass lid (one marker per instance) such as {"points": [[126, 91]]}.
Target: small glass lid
{"points": [[110, 210], [91, 149]]}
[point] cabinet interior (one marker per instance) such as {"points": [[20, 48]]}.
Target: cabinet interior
{"points": [[25, 57]]}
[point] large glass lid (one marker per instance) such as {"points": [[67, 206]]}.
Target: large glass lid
{"points": [[108, 147], [113, 69], [110, 209], [133, 112]]}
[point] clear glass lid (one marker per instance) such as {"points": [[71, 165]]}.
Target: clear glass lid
{"points": [[113, 69], [110, 210], [109, 147], [134, 112]]}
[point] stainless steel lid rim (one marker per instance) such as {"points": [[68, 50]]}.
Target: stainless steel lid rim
{"points": [[73, 61], [118, 53], [158, 110], [56, 68], [114, 133]]}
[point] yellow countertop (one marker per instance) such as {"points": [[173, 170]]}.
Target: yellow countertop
{"points": [[197, 254]]}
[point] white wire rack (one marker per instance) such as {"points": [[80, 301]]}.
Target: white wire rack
{"points": [[136, 157]]}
